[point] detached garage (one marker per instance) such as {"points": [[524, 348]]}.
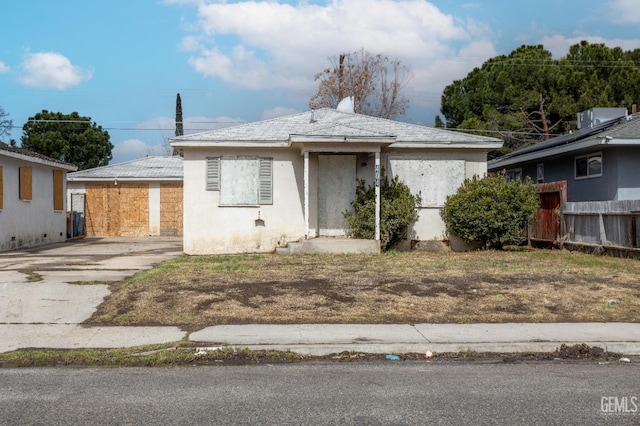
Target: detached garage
{"points": [[137, 198]]}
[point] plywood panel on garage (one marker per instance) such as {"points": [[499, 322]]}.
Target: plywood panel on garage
{"points": [[117, 210], [171, 209]]}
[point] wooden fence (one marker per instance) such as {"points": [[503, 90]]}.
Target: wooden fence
{"points": [[604, 224]]}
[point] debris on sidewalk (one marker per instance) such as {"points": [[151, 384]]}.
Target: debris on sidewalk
{"points": [[624, 359], [392, 357]]}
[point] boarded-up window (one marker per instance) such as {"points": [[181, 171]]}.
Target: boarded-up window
{"points": [[58, 188], [241, 180], [1, 188], [434, 179], [25, 183]]}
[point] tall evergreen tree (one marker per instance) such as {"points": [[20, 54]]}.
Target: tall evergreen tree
{"points": [[179, 124]]}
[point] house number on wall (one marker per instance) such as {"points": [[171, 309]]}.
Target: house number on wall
{"points": [[377, 175]]}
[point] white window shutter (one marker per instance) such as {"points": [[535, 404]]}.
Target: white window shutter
{"points": [[265, 176], [213, 173]]}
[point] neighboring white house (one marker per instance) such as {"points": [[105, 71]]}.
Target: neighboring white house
{"points": [[141, 197], [261, 185], [32, 201]]}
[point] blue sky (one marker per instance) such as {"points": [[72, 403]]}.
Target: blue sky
{"points": [[122, 62]]}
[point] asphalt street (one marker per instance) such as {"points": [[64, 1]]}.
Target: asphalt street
{"points": [[364, 393]]}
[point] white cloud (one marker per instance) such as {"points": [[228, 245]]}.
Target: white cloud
{"points": [[269, 45], [4, 68], [559, 45], [277, 112], [51, 70], [129, 149], [625, 12]]}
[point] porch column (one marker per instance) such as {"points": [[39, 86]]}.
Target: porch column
{"points": [[377, 195], [306, 195]]}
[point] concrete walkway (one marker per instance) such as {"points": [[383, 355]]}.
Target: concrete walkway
{"points": [[324, 339], [43, 302]]}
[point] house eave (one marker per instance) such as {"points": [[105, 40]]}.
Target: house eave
{"points": [[125, 179], [38, 160], [559, 150], [231, 144], [487, 146]]}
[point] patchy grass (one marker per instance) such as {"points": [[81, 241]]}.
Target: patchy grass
{"points": [[520, 285]]}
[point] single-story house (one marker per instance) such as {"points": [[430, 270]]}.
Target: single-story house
{"points": [[598, 162], [141, 197], [32, 201], [261, 185]]}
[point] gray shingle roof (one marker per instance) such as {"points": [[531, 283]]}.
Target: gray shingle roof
{"points": [[329, 122], [147, 168]]}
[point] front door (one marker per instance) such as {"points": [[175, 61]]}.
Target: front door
{"points": [[336, 191]]}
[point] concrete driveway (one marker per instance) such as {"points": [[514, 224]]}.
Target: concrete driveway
{"points": [[64, 283]]}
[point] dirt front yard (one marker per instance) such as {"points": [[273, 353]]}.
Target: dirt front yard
{"points": [[522, 285]]}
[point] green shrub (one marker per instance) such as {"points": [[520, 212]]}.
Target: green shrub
{"points": [[397, 211], [491, 210]]}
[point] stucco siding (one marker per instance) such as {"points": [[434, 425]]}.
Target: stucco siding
{"points": [[210, 228], [28, 223]]}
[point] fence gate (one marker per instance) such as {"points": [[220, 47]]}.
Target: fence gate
{"points": [[77, 209], [547, 228]]}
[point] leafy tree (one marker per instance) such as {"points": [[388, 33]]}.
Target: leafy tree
{"points": [[491, 210], [6, 124], [527, 96], [68, 137], [376, 83], [397, 211]]}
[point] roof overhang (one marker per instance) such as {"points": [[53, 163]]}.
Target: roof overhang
{"points": [[340, 143], [39, 160], [560, 150], [124, 179], [486, 146]]}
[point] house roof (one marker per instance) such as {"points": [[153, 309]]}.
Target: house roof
{"points": [[147, 168], [327, 124], [26, 155], [623, 131]]}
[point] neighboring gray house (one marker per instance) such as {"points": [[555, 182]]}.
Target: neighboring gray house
{"points": [[32, 202], [259, 186], [141, 197], [598, 163]]}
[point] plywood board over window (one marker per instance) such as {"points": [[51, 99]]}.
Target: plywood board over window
{"points": [[25, 184], [171, 209], [58, 190]]}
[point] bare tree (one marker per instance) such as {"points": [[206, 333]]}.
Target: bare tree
{"points": [[375, 82], [6, 124]]}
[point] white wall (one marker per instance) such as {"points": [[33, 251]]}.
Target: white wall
{"points": [[213, 229], [29, 223]]}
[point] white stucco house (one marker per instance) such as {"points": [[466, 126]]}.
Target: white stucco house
{"points": [[32, 198], [258, 186]]}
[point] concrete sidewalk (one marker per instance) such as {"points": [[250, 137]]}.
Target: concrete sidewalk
{"points": [[324, 339]]}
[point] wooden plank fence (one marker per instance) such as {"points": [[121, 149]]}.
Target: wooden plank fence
{"points": [[604, 224]]}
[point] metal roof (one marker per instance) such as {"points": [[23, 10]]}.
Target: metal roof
{"points": [[624, 131], [147, 168], [327, 122]]}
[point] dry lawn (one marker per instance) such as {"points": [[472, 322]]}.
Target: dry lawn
{"points": [[523, 285]]}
